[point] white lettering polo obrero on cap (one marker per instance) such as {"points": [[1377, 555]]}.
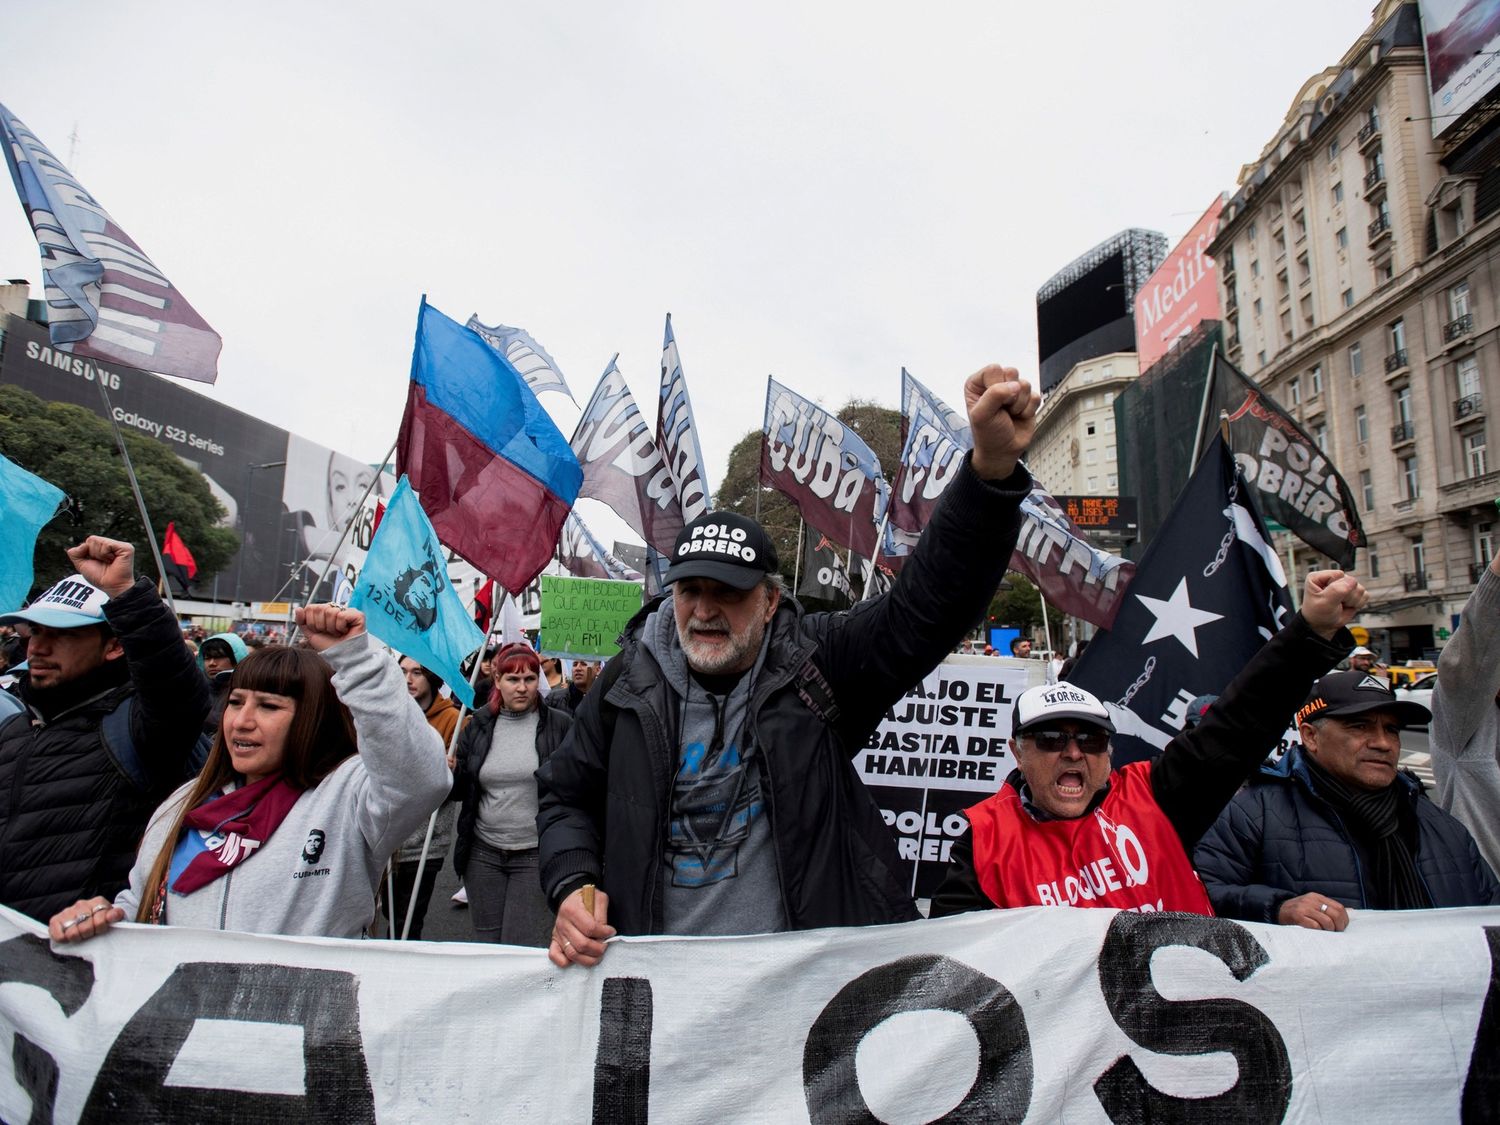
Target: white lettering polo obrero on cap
{"points": [[724, 546], [70, 604]]}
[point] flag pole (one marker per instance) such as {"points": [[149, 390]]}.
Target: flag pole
{"points": [[140, 501], [411, 901], [348, 527], [797, 567], [1208, 388]]}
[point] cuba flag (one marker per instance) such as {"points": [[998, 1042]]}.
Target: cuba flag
{"points": [[407, 599], [493, 472]]}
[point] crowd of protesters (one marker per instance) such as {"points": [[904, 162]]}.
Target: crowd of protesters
{"points": [[701, 781]]}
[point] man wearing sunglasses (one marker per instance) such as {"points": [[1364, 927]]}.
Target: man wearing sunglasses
{"points": [[1068, 829]]}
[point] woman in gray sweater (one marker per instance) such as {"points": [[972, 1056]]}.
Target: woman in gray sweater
{"points": [[322, 765], [495, 848]]}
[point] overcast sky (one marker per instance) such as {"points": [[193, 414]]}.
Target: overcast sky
{"points": [[823, 192]]}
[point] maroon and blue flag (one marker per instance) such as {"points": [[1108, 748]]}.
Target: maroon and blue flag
{"points": [[495, 476]]}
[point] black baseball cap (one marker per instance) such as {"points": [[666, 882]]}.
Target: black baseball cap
{"points": [[1341, 695], [725, 546]]}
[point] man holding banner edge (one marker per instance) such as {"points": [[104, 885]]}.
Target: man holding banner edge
{"points": [[798, 842]]}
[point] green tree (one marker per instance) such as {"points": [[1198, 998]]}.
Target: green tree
{"points": [[75, 449], [741, 491], [1017, 604]]}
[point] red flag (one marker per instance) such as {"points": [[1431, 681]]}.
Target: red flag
{"points": [[175, 549], [379, 515], [484, 606]]}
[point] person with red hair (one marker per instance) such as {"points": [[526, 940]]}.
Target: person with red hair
{"points": [[495, 851]]}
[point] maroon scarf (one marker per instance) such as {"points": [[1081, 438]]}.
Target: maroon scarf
{"points": [[245, 817]]}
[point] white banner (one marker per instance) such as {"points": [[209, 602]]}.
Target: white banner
{"points": [[942, 748], [1045, 1014], [951, 730]]}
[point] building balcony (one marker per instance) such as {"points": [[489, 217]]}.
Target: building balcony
{"points": [[1458, 328], [1395, 361], [1470, 494], [1417, 581], [1380, 228], [1467, 406], [1403, 432], [1375, 178], [1368, 133], [1476, 571]]}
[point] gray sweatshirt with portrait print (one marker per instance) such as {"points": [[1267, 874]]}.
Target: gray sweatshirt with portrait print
{"points": [[317, 873]]}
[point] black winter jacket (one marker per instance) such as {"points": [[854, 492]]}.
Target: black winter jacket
{"points": [[827, 680], [70, 815], [1279, 839], [473, 748]]}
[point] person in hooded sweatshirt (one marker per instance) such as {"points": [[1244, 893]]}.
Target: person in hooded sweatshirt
{"points": [[218, 656], [322, 765]]}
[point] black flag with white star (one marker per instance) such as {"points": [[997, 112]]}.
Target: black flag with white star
{"points": [[1207, 594]]}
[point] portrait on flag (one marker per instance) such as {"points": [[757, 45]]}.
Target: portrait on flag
{"points": [[408, 599]]}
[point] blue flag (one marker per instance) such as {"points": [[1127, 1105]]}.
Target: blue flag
{"points": [[406, 597], [27, 502]]}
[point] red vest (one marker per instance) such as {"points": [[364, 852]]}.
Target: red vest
{"points": [[1124, 854]]}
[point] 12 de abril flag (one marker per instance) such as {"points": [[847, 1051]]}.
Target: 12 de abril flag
{"points": [[407, 598], [1208, 593], [494, 474], [105, 299]]}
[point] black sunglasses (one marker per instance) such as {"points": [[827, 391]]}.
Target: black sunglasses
{"points": [[1056, 741]]}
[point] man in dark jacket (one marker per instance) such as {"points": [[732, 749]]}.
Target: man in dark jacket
{"points": [[567, 697], [1068, 829], [707, 785], [115, 705], [1335, 824]]}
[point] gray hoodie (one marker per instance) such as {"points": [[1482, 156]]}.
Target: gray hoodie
{"points": [[317, 873], [1465, 740]]}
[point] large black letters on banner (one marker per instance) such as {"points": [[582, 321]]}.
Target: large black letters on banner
{"points": [[131, 1085], [622, 1065], [1002, 1089], [1482, 1087], [1263, 1089], [69, 980]]}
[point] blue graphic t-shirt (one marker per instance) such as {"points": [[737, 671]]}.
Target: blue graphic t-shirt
{"points": [[719, 863]]}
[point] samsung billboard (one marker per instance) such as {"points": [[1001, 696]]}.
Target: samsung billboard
{"points": [[289, 499]]}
